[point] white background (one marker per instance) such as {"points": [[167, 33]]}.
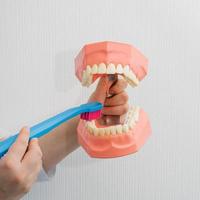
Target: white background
{"points": [[38, 42]]}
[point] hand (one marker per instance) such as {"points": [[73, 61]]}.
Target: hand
{"points": [[19, 168], [110, 92]]}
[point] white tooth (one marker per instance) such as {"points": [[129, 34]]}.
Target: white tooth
{"points": [[128, 75], [107, 131], [87, 126], [95, 131], [84, 78], [87, 77], [113, 130], [133, 84], [130, 111], [128, 81], [133, 78], [89, 80], [137, 108], [94, 69], [111, 69], [131, 123], [133, 108], [102, 68], [90, 123], [94, 125], [125, 128], [93, 122], [132, 117], [88, 69], [101, 131], [130, 126], [119, 69], [90, 130], [130, 114], [126, 70], [126, 118], [119, 129], [132, 75]]}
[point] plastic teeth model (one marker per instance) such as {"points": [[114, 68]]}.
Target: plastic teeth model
{"points": [[94, 61]]}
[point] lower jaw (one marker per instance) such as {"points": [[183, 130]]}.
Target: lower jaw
{"points": [[115, 145]]}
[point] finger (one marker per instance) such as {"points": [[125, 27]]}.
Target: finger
{"points": [[114, 119], [18, 149], [118, 87], [33, 155], [102, 88], [115, 110], [108, 120], [116, 100]]}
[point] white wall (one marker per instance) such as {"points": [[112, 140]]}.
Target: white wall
{"points": [[38, 41]]}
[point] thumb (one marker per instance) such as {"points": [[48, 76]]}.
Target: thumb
{"points": [[102, 88]]}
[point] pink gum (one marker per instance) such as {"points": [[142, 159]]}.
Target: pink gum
{"points": [[115, 145]]}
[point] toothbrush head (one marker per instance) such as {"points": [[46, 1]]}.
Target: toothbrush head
{"points": [[93, 111], [89, 116]]}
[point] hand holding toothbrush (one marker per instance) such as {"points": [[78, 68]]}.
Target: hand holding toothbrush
{"points": [[19, 168]]}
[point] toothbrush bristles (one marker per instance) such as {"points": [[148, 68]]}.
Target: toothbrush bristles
{"points": [[91, 115]]}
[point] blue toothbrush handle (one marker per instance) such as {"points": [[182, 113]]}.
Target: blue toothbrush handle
{"points": [[46, 126]]}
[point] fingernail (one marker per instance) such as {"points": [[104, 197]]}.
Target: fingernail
{"points": [[35, 138], [27, 128]]}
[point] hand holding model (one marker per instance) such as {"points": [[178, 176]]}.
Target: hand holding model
{"points": [[110, 91]]}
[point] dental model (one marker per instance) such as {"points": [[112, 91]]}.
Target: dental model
{"points": [[94, 61]]}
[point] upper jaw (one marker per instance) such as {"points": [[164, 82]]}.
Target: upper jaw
{"points": [[110, 53]]}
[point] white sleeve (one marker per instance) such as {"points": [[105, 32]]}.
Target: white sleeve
{"points": [[46, 176]]}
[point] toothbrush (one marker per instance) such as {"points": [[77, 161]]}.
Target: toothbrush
{"points": [[88, 111]]}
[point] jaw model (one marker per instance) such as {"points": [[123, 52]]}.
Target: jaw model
{"points": [[94, 61]]}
